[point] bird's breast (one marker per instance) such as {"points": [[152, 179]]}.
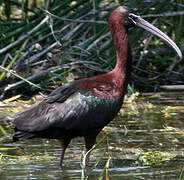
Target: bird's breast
{"points": [[86, 111]]}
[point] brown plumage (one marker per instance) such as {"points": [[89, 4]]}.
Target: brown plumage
{"points": [[84, 107]]}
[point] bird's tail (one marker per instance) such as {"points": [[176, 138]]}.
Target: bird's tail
{"points": [[21, 134]]}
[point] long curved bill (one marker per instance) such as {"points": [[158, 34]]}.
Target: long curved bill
{"points": [[140, 22]]}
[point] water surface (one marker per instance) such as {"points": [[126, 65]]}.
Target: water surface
{"points": [[151, 123]]}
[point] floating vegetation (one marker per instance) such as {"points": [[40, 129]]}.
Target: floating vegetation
{"points": [[133, 145], [4, 158], [155, 158]]}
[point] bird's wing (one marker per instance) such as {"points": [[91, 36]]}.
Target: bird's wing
{"points": [[68, 108], [48, 112]]}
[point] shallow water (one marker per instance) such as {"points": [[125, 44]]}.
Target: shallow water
{"points": [[151, 123]]}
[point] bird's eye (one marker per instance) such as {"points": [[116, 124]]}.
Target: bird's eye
{"points": [[133, 17]]}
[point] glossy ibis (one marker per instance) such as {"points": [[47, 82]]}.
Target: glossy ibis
{"points": [[83, 107]]}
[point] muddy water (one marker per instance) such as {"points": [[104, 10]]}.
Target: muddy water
{"points": [[150, 124]]}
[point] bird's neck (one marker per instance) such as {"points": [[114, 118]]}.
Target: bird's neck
{"points": [[122, 71]]}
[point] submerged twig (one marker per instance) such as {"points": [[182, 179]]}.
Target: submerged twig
{"points": [[107, 168], [83, 163]]}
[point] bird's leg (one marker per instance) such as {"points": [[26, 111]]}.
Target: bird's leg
{"points": [[64, 144], [89, 142]]}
